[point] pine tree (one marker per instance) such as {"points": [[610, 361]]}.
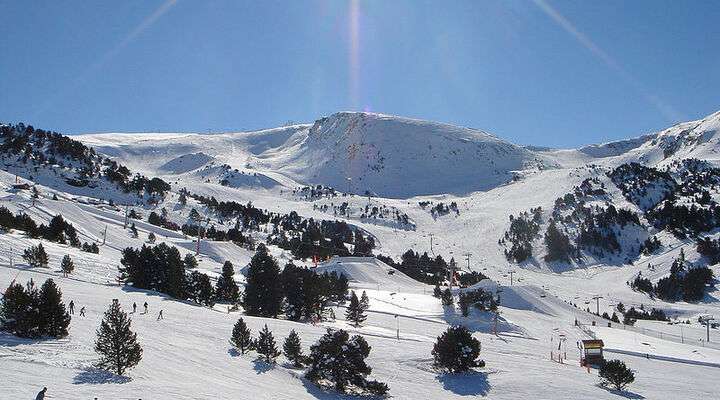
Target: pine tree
{"points": [[447, 298], [36, 256], [182, 198], [190, 261], [364, 301], [456, 350], [266, 346], [616, 373], [19, 310], [226, 288], [557, 243], [200, 289], [67, 265], [241, 337], [437, 292], [116, 344], [355, 313], [53, 318], [151, 237], [339, 359], [292, 349], [263, 291]]}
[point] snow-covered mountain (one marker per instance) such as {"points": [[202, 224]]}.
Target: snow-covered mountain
{"points": [[438, 192], [694, 139], [383, 155]]}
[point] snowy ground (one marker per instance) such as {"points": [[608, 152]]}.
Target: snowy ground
{"points": [[187, 355]]}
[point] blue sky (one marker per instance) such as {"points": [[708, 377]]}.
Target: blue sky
{"points": [[544, 72]]}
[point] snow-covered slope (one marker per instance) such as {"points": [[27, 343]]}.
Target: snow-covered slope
{"points": [[406, 162], [694, 139], [398, 157], [369, 272], [384, 155]]}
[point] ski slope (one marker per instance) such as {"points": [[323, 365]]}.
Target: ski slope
{"points": [[187, 355]]}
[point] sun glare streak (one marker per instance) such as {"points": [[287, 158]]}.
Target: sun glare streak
{"points": [[664, 108], [110, 54], [354, 55], [144, 25]]}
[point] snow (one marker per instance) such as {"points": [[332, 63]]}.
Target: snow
{"points": [[369, 272], [403, 161]]}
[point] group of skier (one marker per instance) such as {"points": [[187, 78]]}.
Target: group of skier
{"points": [[71, 307]]}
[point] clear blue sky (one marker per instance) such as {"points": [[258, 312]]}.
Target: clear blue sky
{"points": [[544, 72]]}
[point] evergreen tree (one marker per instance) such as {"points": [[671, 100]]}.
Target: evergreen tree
{"points": [[133, 230], [364, 301], [437, 292], [36, 256], [339, 287], [557, 243], [447, 298], [226, 288], [116, 344], [151, 237], [456, 350], [266, 346], [190, 261], [294, 284], [616, 373], [158, 268], [241, 337], [293, 350], [53, 318], [19, 311], [340, 360], [355, 312], [263, 292], [67, 265], [200, 289]]}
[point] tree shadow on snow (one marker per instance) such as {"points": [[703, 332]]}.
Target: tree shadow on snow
{"points": [[233, 352], [9, 340], [96, 376], [467, 384], [261, 366], [622, 393]]}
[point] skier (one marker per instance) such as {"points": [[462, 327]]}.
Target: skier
{"points": [[82, 311], [41, 394], [134, 307], [160, 316], [72, 307], [145, 305]]}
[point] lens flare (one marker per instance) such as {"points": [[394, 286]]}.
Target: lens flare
{"points": [[664, 108], [110, 54], [354, 53]]}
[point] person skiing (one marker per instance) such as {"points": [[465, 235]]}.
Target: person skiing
{"points": [[41, 394], [72, 307], [134, 307], [160, 316], [145, 305], [82, 311]]}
